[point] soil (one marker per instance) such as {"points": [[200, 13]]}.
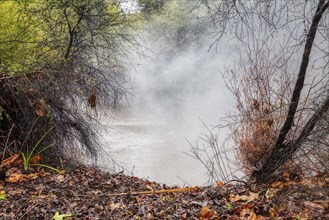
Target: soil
{"points": [[88, 193]]}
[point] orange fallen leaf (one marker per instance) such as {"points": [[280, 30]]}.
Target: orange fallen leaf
{"points": [[251, 197], [234, 198], [248, 214], [162, 213], [11, 161], [272, 212], [220, 184], [36, 159], [277, 184], [252, 216], [206, 213], [13, 178], [31, 176], [18, 177]]}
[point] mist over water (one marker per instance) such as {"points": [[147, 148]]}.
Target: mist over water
{"points": [[173, 89], [170, 98]]}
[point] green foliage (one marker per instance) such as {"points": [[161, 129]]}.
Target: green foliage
{"points": [[3, 195], [229, 207], [28, 155], [19, 35], [34, 33], [54, 55], [176, 26], [151, 5]]}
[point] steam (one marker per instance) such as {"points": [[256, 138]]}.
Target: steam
{"points": [[184, 88], [175, 85]]}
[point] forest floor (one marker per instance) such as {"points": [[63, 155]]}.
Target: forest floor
{"points": [[88, 193]]}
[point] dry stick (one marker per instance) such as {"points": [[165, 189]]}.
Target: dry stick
{"points": [[157, 191], [241, 181], [7, 141], [117, 174]]}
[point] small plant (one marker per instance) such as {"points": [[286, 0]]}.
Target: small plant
{"points": [[30, 158], [298, 217], [3, 195], [58, 216], [229, 207]]}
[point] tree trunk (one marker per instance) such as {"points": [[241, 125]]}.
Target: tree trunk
{"points": [[283, 151]]}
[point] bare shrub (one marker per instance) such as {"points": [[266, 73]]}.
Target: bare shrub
{"points": [[281, 78], [217, 157]]}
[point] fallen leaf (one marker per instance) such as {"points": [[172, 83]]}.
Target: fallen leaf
{"points": [[57, 216], [13, 170], [309, 204], [162, 213], [277, 184], [41, 108], [36, 159], [60, 178], [17, 191], [13, 178], [150, 215], [220, 184], [251, 197], [18, 177], [114, 206], [206, 213], [272, 212], [11, 161], [234, 198], [96, 192], [252, 216], [30, 176], [248, 214]]}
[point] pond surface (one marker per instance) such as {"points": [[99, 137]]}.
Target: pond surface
{"points": [[155, 150]]}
